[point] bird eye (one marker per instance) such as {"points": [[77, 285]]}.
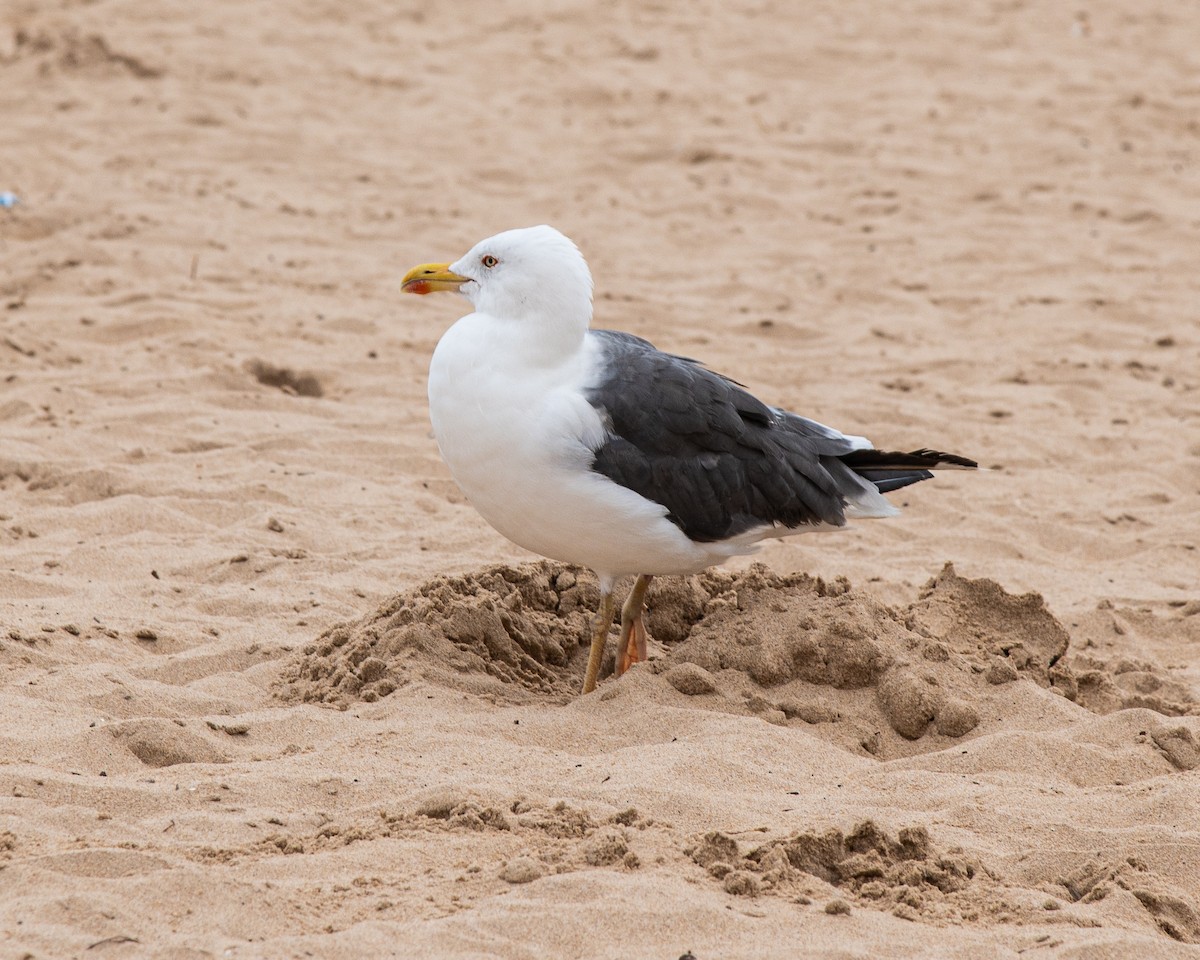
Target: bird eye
{"points": [[488, 260]]}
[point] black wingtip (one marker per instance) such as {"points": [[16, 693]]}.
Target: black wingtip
{"points": [[951, 460], [923, 459]]}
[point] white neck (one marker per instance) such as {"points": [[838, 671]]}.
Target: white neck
{"points": [[541, 342]]}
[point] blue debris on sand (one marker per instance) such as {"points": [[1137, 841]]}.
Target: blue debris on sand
{"points": [[8, 200]]}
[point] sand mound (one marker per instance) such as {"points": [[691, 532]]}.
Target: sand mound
{"points": [[1112, 658], [793, 649], [1101, 877], [905, 874], [161, 743], [977, 618], [510, 632], [874, 679]]}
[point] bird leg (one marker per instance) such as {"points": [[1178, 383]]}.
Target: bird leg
{"points": [[631, 647], [604, 619]]}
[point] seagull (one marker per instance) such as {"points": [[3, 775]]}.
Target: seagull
{"points": [[592, 447]]}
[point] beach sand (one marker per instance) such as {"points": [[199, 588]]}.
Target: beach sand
{"points": [[270, 686]]}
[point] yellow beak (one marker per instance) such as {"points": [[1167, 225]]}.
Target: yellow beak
{"points": [[430, 277]]}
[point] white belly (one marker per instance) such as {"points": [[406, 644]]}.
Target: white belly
{"points": [[518, 440]]}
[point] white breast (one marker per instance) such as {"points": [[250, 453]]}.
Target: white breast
{"points": [[518, 438]]}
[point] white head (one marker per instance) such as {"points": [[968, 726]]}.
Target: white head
{"points": [[530, 276]]}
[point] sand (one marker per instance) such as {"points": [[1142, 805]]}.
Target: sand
{"points": [[271, 688]]}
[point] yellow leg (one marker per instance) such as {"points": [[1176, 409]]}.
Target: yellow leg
{"points": [[631, 647], [604, 619]]}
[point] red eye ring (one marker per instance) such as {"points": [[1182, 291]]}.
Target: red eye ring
{"points": [[488, 260]]}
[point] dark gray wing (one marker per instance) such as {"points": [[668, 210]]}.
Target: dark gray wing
{"points": [[720, 461]]}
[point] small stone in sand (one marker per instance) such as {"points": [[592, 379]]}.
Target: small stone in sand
{"points": [[837, 907]]}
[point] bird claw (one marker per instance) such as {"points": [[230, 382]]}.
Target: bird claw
{"points": [[631, 648]]}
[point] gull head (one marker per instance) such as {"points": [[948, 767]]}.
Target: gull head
{"points": [[528, 275]]}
